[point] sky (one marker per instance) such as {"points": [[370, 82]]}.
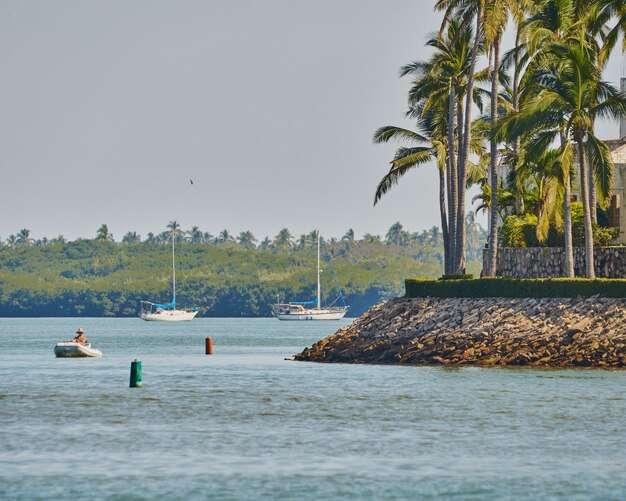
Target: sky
{"points": [[110, 109]]}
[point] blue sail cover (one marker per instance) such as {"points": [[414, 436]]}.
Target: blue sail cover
{"points": [[166, 306], [304, 303]]}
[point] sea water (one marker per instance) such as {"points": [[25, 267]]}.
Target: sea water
{"points": [[245, 423]]}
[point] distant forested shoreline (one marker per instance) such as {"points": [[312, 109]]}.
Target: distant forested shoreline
{"points": [[224, 276]]}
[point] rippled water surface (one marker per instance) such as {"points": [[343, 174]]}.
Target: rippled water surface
{"points": [[247, 424]]}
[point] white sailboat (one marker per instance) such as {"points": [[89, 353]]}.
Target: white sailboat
{"points": [[167, 312], [303, 311]]}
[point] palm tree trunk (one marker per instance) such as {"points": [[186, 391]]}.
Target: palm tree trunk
{"points": [[493, 220], [567, 228], [593, 196], [519, 194], [584, 188], [464, 153], [452, 183], [444, 220]]}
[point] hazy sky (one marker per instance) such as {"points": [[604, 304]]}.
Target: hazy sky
{"points": [[109, 108]]}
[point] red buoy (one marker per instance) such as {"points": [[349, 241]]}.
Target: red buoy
{"points": [[208, 346]]}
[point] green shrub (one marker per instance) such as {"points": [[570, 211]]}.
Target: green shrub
{"points": [[511, 287], [517, 231], [456, 277], [520, 231]]}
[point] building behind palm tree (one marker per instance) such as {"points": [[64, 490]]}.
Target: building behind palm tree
{"points": [[616, 214]]}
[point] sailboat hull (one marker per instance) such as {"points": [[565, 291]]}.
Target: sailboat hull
{"points": [[327, 314], [168, 316]]}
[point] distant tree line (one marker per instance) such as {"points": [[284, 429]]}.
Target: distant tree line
{"points": [[222, 276], [282, 241]]}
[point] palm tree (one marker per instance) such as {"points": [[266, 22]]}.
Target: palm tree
{"points": [[225, 236], [283, 240], [438, 91], [175, 232], [349, 236], [466, 11], [302, 241], [617, 9], [552, 22], [371, 239], [505, 205], [569, 96], [131, 237], [496, 15], [265, 244], [312, 238], [103, 234], [23, 238], [12, 241], [395, 234], [246, 239], [195, 235]]}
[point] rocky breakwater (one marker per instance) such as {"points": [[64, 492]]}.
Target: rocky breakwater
{"points": [[491, 331]]}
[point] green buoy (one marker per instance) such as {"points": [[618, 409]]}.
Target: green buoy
{"points": [[135, 374]]}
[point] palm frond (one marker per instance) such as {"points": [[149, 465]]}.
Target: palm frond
{"points": [[385, 134]]}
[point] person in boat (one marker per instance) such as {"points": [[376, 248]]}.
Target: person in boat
{"points": [[80, 337]]}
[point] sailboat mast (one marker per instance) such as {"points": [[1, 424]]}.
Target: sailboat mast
{"points": [[319, 289], [173, 268]]}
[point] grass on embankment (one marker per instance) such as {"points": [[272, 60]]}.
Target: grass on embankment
{"points": [[511, 287]]}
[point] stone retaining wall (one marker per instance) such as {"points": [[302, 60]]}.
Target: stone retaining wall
{"points": [[548, 262]]}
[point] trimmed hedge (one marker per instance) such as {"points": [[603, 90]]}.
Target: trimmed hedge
{"points": [[466, 276], [513, 287]]}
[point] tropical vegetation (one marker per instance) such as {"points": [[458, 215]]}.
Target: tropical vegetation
{"points": [[544, 95], [222, 275]]}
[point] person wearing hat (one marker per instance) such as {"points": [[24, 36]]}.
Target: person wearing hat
{"points": [[80, 337]]}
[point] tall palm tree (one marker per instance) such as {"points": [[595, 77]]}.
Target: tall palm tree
{"points": [[441, 83], [466, 11], [175, 231], [569, 96], [495, 16], [551, 22]]}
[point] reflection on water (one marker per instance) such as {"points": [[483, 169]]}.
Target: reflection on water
{"points": [[247, 424]]}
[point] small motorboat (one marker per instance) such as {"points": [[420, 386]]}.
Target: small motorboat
{"points": [[70, 349]]}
